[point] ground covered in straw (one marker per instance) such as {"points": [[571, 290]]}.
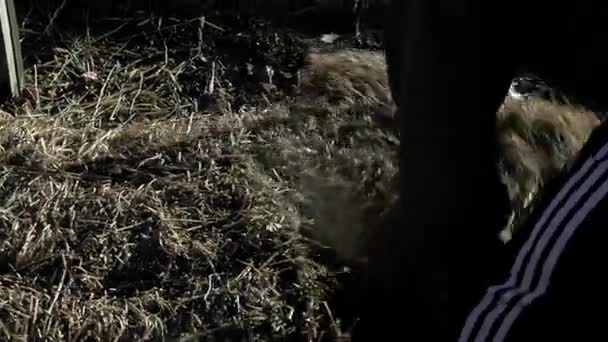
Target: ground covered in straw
{"points": [[164, 181]]}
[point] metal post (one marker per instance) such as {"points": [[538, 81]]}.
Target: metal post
{"points": [[11, 63]]}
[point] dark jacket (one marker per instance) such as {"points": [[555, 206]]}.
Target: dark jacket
{"points": [[556, 287]]}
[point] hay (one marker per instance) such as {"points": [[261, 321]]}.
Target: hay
{"points": [[127, 215], [154, 185], [537, 138]]}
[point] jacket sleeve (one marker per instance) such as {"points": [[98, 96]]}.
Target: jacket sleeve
{"points": [[556, 277]]}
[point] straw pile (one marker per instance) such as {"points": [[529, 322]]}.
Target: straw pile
{"points": [[129, 213]]}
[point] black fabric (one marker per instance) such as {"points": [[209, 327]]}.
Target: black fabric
{"points": [[572, 306]]}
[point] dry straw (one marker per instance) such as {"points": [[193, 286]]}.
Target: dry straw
{"points": [[126, 214]]}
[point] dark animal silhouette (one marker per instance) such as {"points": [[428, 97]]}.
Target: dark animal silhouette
{"points": [[444, 251]]}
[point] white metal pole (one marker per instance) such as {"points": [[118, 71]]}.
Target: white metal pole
{"points": [[11, 72]]}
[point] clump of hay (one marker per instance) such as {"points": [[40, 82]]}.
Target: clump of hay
{"points": [[349, 77], [537, 138]]}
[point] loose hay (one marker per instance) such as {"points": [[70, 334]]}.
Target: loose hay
{"points": [[162, 228], [537, 138], [129, 210], [127, 215], [348, 76]]}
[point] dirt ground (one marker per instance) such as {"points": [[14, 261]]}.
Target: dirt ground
{"points": [[163, 181]]}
